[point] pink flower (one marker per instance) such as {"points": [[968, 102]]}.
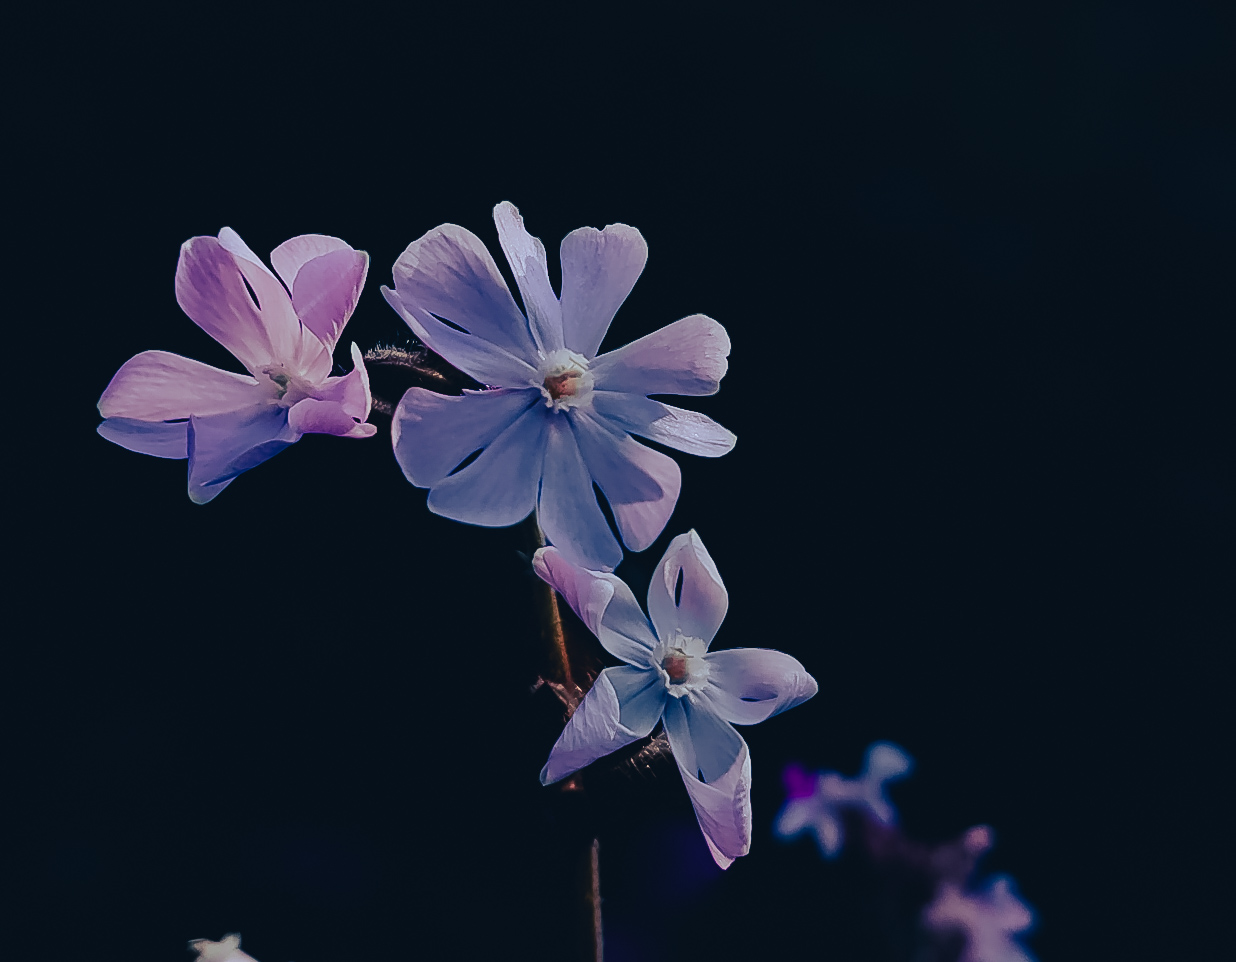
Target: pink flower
{"points": [[989, 918], [226, 950], [672, 677], [173, 407]]}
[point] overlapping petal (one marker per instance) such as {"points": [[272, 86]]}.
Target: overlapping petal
{"points": [[526, 255], [340, 406], [160, 439], [567, 509], [697, 609], [223, 446], [326, 290], [672, 426], [749, 685], [599, 269], [686, 357], [593, 731], [158, 386]]}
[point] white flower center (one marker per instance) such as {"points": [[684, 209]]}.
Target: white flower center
{"points": [[682, 664], [565, 381]]}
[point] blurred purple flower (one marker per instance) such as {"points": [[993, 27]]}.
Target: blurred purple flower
{"points": [[988, 919], [224, 423], [228, 950], [561, 417], [671, 677], [817, 807]]}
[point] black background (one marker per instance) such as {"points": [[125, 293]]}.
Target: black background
{"points": [[977, 271]]}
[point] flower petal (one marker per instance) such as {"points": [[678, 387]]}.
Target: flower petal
{"points": [[352, 390], [599, 268], [672, 426], [594, 730], [290, 256], [640, 484], [326, 291], [433, 433], [449, 272], [705, 745], [162, 439], [567, 508], [748, 685], [311, 416], [226, 445], [641, 697], [475, 356], [158, 386], [526, 255], [686, 357], [604, 603], [500, 487], [703, 600]]}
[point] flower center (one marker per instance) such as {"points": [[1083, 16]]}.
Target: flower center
{"points": [[682, 664], [285, 387], [565, 381]]}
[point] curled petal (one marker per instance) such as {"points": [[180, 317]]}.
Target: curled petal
{"points": [[604, 603], [326, 290], [162, 439], [672, 426], [599, 268], [448, 272], [594, 730], [500, 487], [567, 508], [703, 600], [312, 416], [433, 433], [686, 357], [226, 445], [158, 386], [475, 356], [526, 255], [350, 391], [704, 745], [748, 685], [290, 256]]}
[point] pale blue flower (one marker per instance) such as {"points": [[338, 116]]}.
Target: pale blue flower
{"points": [[988, 918]]}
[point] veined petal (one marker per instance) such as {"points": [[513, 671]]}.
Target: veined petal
{"points": [[672, 426], [526, 255], [599, 268], [640, 484], [703, 600], [449, 272], [686, 357], [433, 433], [604, 603], [641, 697], [226, 445], [748, 685], [288, 258], [594, 730], [161, 439], [158, 386], [326, 290], [500, 487], [283, 327], [567, 508], [704, 744], [475, 356]]}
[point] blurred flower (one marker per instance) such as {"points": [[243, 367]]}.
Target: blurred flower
{"points": [[226, 951], [815, 804], [561, 418], [224, 423], [671, 677], [987, 918]]}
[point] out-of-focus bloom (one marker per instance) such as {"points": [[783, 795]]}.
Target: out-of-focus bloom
{"points": [[224, 423], [561, 417], [815, 803], [228, 950], [989, 919], [672, 677]]}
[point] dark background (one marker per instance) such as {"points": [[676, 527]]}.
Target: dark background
{"points": [[977, 271]]}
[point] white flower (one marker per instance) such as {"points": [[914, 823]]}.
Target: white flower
{"points": [[672, 677], [228, 950], [988, 918]]}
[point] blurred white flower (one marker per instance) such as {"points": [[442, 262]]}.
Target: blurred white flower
{"points": [[988, 918], [227, 950]]}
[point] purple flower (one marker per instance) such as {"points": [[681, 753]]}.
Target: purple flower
{"points": [[671, 677], [562, 417], [988, 919], [227, 950], [224, 423], [819, 808]]}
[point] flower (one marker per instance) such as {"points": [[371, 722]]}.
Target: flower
{"points": [[561, 417], [228, 950], [224, 423], [988, 919], [671, 677], [816, 803]]}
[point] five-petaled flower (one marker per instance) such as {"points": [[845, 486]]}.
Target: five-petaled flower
{"points": [[672, 677], [560, 418], [224, 423]]}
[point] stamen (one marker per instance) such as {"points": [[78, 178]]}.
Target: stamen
{"points": [[562, 385]]}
